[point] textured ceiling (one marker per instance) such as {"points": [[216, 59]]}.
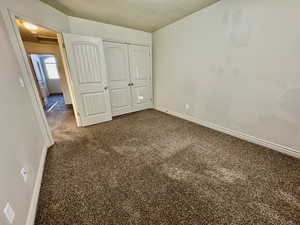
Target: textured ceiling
{"points": [[147, 15]]}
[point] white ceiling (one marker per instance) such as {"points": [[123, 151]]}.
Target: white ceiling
{"points": [[147, 15]]}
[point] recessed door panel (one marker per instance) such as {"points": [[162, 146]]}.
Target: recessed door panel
{"points": [[116, 56], [140, 59], [120, 98], [141, 78], [94, 103], [89, 79], [141, 95], [86, 56]]}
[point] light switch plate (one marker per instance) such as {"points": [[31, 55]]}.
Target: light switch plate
{"points": [[9, 213]]}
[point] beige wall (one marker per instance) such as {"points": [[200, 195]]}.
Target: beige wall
{"points": [[236, 64], [38, 48], [19, 147]]}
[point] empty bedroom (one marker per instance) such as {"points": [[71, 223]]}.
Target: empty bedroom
{"points": [[134, 112]]}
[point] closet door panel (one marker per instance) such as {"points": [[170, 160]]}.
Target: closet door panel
{"points": [[141, 78], [116, 56], [88, 77]]}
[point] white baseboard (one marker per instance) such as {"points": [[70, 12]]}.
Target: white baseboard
{"points": [[252, 139], [36, 190]]}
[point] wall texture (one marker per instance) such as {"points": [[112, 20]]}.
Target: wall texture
{"points": [[236, 64], [19, 148]]}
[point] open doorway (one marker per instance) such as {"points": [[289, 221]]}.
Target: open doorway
{"points": [[48, 80], [81, 70], [47, 67]]}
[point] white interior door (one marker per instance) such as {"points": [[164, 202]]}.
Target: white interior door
{"points": [[88, 79], [116, 57], [141, 78]]}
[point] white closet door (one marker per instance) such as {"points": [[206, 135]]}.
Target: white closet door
{"points": [[141, 78], [116, 56], [88, 78]]}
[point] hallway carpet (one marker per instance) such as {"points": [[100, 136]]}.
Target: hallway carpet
{"points": [[53, 100], [150, 168]]}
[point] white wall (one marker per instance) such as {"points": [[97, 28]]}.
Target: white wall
{"points": [[109, 32], [54, 85], [19, 148], [236, 63]]}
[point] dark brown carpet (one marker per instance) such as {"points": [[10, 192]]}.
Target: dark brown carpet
{"points": [[152, 168]]}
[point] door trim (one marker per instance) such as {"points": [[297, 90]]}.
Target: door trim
{"points": [[9, 17]]}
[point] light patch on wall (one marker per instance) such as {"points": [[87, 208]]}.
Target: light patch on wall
{"points": [[237, 27]]}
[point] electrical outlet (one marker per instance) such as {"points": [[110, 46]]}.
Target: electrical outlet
{"points": [[9, 213], [187, 106], [24, 174]]}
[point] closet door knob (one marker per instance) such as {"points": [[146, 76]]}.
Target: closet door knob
{"points": [[105, 88]]}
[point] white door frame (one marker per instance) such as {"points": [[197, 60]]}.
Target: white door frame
{"points": [[10, 17]]}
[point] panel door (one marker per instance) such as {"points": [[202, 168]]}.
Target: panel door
{"points": [[141, 78], [88, 79], [116, 57]]}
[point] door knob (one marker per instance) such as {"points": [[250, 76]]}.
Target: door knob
{"points": [[105, 88]]}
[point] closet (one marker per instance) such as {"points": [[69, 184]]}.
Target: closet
{"points": [[129, 77], [106, 79]]}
